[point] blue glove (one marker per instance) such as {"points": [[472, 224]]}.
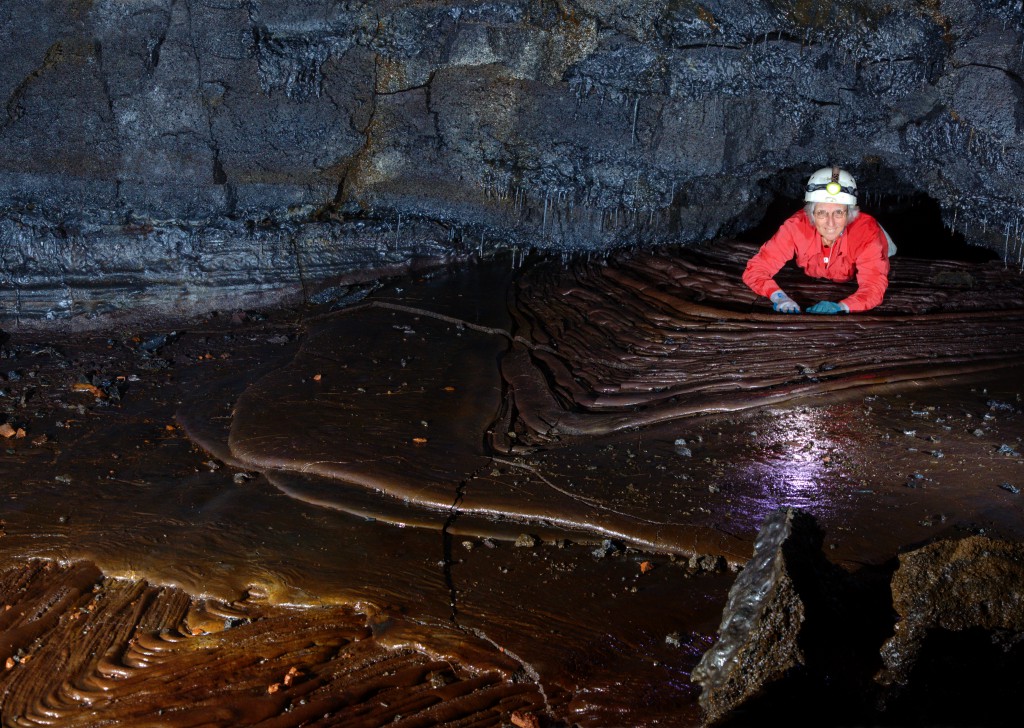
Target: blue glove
{"points": [[783, 303], [828, 307]]}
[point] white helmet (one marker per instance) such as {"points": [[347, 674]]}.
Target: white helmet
{"points": [[831, 184]]}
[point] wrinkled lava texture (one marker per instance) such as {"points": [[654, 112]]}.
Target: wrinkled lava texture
{"points": [[242, 483], [481, 494]]}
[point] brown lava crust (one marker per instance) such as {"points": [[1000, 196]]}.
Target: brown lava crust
{"points": [[149, 579]]}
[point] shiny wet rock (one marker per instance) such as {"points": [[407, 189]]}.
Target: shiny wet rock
{"points": [[634, 543], [759, 636], [961, 594]]}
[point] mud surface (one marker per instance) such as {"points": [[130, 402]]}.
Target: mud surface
{"points": [[520, 489]]}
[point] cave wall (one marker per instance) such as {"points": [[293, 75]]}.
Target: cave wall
{"points": [[175, 155]]}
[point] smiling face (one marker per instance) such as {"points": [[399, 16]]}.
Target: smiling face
{"points": [[829, 220]]}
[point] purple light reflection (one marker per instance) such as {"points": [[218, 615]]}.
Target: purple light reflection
{"points": [[793, 463]]}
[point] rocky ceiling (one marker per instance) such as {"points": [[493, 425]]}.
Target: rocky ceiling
{"points": [[174, 155]]}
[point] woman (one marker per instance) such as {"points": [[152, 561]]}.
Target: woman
{"points": [[830, 238]]}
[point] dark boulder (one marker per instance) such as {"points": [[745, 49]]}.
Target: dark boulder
{"points": [[807, 643], [958, 646], [760, 638]]}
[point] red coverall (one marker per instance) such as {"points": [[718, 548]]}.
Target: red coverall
{"points": [[861, 249]]}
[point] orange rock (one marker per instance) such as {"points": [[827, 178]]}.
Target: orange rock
{"points": [[646, 566], [524, 720], [7, 431], [293, 673], [90, 388]]}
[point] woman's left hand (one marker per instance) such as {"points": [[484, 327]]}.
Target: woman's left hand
{"points": [[828, 307]]}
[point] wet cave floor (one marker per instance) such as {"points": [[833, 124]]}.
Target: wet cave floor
{"points": [[481, 496]]}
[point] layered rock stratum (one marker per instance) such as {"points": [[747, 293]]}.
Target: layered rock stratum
{"points": [[175, 155]]}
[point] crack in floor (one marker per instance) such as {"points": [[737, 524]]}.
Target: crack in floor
{"points": [[446, 546], [530, 670], [453, 600]]}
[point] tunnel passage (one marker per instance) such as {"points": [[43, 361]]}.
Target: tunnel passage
{"points": [[912, 218], [655, 336], [504, 126]]}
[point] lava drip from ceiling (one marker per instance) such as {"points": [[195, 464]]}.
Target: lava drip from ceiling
{"points": [[177, 157]]}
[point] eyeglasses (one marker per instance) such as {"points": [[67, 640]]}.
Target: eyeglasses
{"points": [[823, 214], [833, 188]]}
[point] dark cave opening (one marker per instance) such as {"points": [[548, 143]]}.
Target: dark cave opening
{"points": [[914, 222]]}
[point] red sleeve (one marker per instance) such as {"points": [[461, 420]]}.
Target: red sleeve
{"points": [[761, 269], [872, 264]]}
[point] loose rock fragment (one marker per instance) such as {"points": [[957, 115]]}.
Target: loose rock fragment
{"points": [[706, 563], [759, 637], [973, 583], [526, 540], [291, 676], [524, 720], [606, 548], [90, 388]]}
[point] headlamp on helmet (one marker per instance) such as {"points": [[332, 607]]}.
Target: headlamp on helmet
{"points": [[831, 184]]}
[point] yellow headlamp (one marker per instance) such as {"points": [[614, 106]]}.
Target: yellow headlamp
{"points": [[833, 188]]}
